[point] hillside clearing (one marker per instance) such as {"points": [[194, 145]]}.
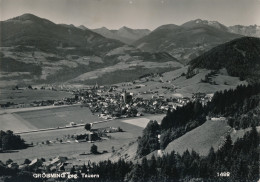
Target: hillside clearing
{"points": [[200, 139]]}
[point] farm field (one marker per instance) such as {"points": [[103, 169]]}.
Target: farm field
{"points": [[10, 121], [44, 117], [70, 148], [73, 149], [27, 96], [58, 117]]}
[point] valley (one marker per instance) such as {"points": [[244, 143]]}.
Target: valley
{"points": [[178, 96]]}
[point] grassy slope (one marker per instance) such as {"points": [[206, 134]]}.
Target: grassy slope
{"points": [[182, 86], [201, 138]]}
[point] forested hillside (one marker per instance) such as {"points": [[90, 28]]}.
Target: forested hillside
{"points": [[239, 106], [241, 58]]}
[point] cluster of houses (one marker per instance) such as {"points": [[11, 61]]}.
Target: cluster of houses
{"points": [[115, 103], [39, 164], [58, 165], [95, 134], [87, 137]]}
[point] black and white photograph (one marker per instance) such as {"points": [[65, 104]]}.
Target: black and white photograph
{"points": [[129, 90]]}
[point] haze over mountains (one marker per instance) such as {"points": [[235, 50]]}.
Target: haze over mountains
{"points": [[124, 34], [251, 30], [36, 50]]}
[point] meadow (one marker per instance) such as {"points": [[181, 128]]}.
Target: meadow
{"points": [[69, 147], [58, 117], [28, 96]]}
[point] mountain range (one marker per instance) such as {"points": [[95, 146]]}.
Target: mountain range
{"points": [[251, 30], [188, 40], [36, 50], [31, 30], [124, 34]]}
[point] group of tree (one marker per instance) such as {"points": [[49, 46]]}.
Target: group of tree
{"points": [[237, 101], [229, 56], [178, 122], [240, 105], [10, 141], [149, 141], [238, 160]]}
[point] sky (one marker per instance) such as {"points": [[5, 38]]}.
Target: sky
{"points": [[150, 14]]}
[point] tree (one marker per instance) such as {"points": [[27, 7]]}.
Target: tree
{"points": [[137, 173], [113, 149], [5, 142], [62, 168], [94, 149], [84, 169], [27, 161], [145, 167], [73, 170], [87, 126], [211, 156], [9, 161]]}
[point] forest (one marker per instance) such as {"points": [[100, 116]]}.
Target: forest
{"points": [[240, 106]]}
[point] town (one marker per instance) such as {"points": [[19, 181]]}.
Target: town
{"points": [[112, 102]]}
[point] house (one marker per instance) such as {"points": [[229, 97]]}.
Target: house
{"points": [[198, 95], [23, 166], [92, 137], [59, 159], [36, 163], [55, 163], [127, 97], [13, 165], [184, 100]]}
